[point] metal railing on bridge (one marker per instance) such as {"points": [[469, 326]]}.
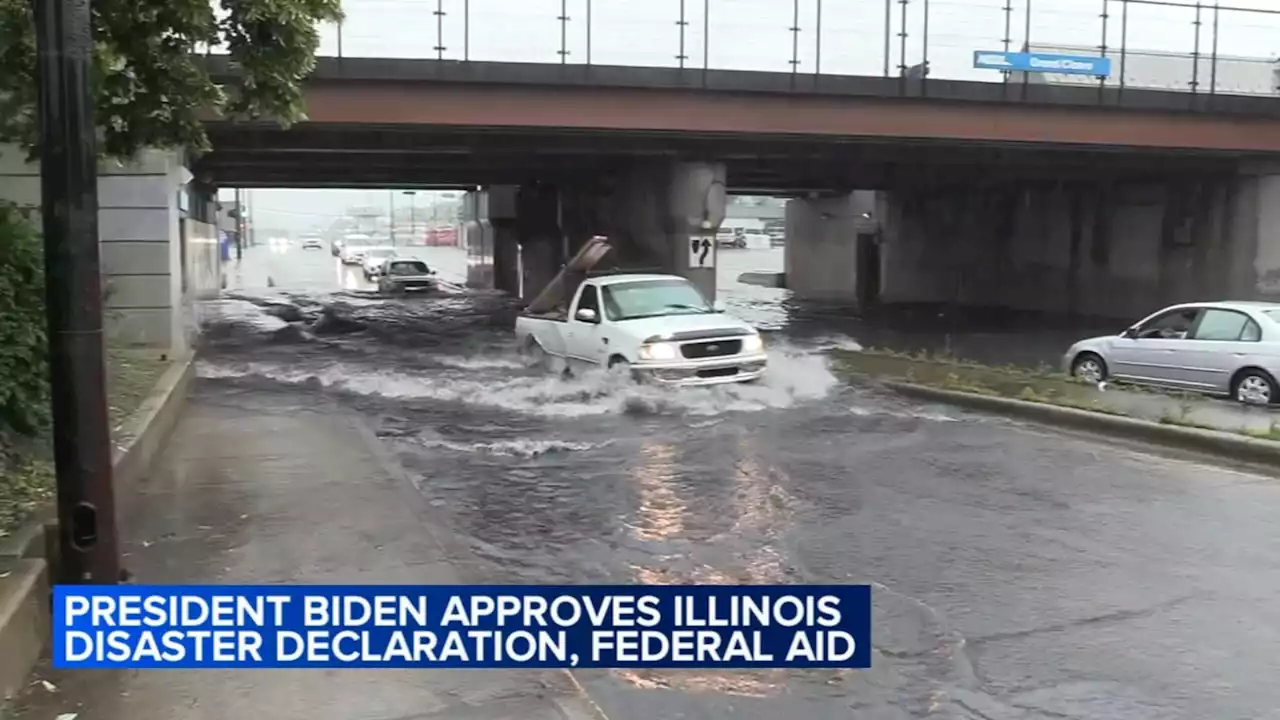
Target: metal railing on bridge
{"points": [[1177, 45]]}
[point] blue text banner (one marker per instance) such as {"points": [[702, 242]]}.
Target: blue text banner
{"points": [[386, 626]]}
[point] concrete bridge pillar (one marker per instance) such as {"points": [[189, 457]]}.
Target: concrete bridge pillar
{"points": [[833, 248], [665, 216], [476, 239], [1252, 219], [489, 235], [541, 241]]}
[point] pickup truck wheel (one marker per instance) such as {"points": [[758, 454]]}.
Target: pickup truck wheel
{"points": [[535, 355], [619, 365]]}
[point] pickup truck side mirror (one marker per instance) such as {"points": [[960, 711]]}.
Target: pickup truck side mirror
{"points": [[587, 315]]}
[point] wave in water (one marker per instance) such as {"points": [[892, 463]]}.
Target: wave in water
{"points": [[795, 375]]}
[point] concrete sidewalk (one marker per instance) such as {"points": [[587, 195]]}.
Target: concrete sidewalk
{"points": [[270, 488]]}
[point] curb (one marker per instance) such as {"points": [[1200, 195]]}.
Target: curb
{"points": [[24, 571], [1213, 442]]}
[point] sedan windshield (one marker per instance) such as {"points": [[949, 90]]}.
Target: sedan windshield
{"points": [[408, 267], [378, 253], [653, 298]]}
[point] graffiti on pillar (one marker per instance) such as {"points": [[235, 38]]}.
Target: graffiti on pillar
{"points": [[702, 252]]}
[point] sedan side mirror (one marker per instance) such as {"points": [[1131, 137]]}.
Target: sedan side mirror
{"points": [[718, 306], [1130, 333], [587, 315]]}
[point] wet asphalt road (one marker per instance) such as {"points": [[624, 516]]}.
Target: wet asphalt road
{"points": [[1018, 574]]}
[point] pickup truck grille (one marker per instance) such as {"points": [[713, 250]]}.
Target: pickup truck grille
{"points": [[716, 348]]}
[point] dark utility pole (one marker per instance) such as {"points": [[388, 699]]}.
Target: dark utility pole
{"points": [[73, 288]]}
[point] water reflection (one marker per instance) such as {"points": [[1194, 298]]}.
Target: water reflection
{"points": [[660, 510]]}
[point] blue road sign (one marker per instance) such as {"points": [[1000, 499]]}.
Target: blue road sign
{"points": [[1092, 65]]}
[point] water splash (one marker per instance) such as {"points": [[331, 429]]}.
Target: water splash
{"points": [[524, 447], [795, 376]]}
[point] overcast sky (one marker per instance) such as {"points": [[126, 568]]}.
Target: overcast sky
{"points": [[752, 35]]}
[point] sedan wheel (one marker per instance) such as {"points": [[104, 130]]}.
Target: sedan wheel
{"points": [[1090, 368], [1255, 387]]}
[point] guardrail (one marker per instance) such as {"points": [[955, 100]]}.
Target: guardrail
{"points": [[1152, 44]]}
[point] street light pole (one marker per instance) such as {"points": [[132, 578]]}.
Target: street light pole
{"points": [[413, 215], [392, 195], [239, 225], [88, 549]]}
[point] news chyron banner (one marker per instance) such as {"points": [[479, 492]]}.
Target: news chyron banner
{"points": [[439, 626]]}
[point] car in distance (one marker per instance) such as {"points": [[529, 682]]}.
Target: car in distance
{"points": [[342, 248], [660, 328], [312, 242], [372, 258], [1228, 349], [402, 275]]}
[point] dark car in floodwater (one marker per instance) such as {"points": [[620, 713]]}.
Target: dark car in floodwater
{"points": [[401, 275]]}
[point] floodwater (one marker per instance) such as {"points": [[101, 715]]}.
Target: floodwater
{"points": [[1017, 573]]}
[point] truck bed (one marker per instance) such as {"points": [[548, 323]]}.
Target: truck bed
{"points": [[557, 315]]}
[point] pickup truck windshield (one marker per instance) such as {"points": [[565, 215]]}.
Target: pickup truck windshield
{"points": [[653, 298]]}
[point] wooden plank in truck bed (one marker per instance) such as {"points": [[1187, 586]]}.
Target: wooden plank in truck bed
{"points": [[558, 292]]}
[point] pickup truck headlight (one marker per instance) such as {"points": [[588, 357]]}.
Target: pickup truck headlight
{"points": [[752, 344], [658, 351]]}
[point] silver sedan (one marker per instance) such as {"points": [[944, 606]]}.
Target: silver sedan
{"points": [[1217, 348]]}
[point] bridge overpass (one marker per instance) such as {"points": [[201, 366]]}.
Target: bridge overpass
{"points": [[429, 123], [1089, 200]]}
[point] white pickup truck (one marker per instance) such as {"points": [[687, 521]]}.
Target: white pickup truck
{"points": [[660, 327]]}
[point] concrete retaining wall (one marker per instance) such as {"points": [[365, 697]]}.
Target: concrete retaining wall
{"points": [[25, 556], [142, 243]]}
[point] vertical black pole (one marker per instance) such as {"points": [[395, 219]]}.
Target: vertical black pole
{"points": [[682, 23], [888, 27], [1213, 58], [466, 29], [1026, 45], [439, 29], [73, 289], [1008, 33], [1124, 37], [1195, 52], [564, 32], [924, 49], [1102, 47], [902, 45], [817, 42], [706, 40], [795, 38]]}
